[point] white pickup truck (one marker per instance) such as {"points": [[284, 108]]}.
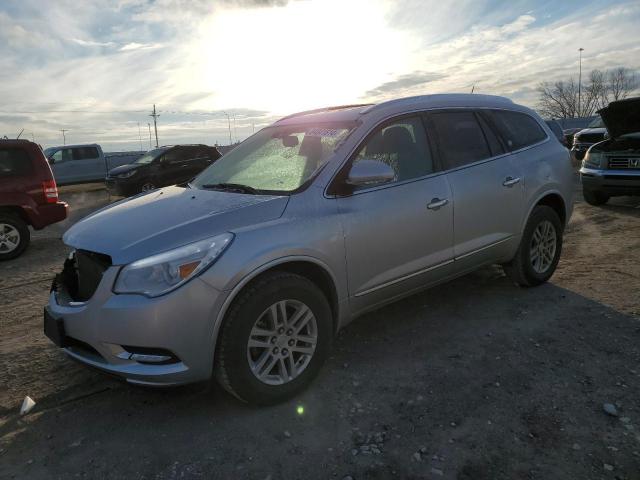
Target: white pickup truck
{"points": [[85, 163]]}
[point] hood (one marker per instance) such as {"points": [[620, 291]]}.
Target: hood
{"points": [[168, 218], [123, 169], [622, 117]]}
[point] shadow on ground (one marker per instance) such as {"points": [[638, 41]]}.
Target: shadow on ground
{"points": [[475, 379]]}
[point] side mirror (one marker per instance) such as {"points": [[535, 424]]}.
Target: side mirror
{"points": [[370, 172], [51, 160], [290, 141]]}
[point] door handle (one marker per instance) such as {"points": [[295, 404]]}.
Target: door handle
{"points": [[510, 181], [436, 203]]}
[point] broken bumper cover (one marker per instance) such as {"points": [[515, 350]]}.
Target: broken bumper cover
{"points": [[160, 341]]}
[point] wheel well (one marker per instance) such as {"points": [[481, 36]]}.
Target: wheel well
{"points": [[17, 211], [555, 201], [317, 275]]}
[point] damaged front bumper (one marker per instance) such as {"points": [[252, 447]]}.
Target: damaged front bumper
{"points": [[160, 341]]}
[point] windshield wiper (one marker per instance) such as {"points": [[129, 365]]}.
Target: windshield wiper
{"points": [[233, 187]]}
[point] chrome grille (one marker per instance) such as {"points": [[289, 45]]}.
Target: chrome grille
{"points": [[624, 163]]}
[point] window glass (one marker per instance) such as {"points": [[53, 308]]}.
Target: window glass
{"points": [[14, 161], [460, 138], [280, 158], [173, 156], [63, 155], [84, 153], [494, 143], [403, 146], [519, 130]]}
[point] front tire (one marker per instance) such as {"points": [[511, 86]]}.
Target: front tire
{"points": [[274, 339], [595, 197], [539, 251], [14, 236]]}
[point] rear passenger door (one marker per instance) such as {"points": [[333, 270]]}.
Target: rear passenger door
{"points": [[486, 187]]}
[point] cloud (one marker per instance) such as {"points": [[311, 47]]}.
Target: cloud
{"points": [[403, 83], [139, 46], [92, 43]]}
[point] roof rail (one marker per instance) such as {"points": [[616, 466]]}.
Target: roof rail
{"points": [[326, 109]]}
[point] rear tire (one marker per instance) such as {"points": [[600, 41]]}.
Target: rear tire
{"points": [[539, 251], [251, 312], [595, 197], [14, 236]]}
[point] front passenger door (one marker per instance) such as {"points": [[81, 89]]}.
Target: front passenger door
{"points": [[398, 235]]}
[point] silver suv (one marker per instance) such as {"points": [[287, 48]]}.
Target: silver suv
{"points": [[249, 270]]}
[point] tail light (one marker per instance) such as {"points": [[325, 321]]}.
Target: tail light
{"points": [[50, 191]]}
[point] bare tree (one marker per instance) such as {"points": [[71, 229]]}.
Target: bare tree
{"points": [[622, 81], [560, 99]]}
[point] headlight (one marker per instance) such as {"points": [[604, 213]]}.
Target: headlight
{"points": [[592, 159], [164, 272], [128, 174]]}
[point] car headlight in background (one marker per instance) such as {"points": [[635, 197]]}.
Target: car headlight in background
{"points": [[128, 174], [164, 272], [592, 159]]}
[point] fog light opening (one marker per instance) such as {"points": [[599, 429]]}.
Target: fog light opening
{"points": [[151, 356]]}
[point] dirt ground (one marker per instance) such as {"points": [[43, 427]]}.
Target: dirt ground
{"points": [[475, 379]]}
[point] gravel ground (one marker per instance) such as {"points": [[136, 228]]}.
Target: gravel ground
{"points": [[475, 379]]}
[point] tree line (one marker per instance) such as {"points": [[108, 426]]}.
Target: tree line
{"points": [[560, 99]]}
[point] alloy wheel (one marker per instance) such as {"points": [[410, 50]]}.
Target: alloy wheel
{"points": [[9, 238], [282, 342], [543, 246]]}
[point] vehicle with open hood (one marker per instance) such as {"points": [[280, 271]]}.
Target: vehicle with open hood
{"points": [[248, 271], [612, 167]]}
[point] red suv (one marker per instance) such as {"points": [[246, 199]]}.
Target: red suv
{"points": [[28, 195]]}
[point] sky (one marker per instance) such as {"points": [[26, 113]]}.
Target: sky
{"points": [[221, 69]]}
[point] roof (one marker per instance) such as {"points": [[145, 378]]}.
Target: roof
{"points": [[348, 113]]}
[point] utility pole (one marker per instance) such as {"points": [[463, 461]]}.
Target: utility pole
{"points": [[139, 136], [235, 132], [149, 125], [580, 50], [229, 123], [155, 124], [64, 138]]}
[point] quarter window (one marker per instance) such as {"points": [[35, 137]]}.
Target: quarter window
{"points": [[403, 146], [14, 161], [460, 138], [519, 130]]}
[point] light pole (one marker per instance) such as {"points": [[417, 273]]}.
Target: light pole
{"points": [[580, 50]]}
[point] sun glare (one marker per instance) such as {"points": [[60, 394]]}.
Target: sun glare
{"points": [[304, 55]]}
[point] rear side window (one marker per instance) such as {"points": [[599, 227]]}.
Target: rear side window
{"points": [[14, 162], [85, 153], [460, 138], [403, 146], [519, 130]]}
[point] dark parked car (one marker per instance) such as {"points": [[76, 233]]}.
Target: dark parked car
{"points": [[556, 128], [594, 133], [612, 167], [161, 167], [28, 195]]}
